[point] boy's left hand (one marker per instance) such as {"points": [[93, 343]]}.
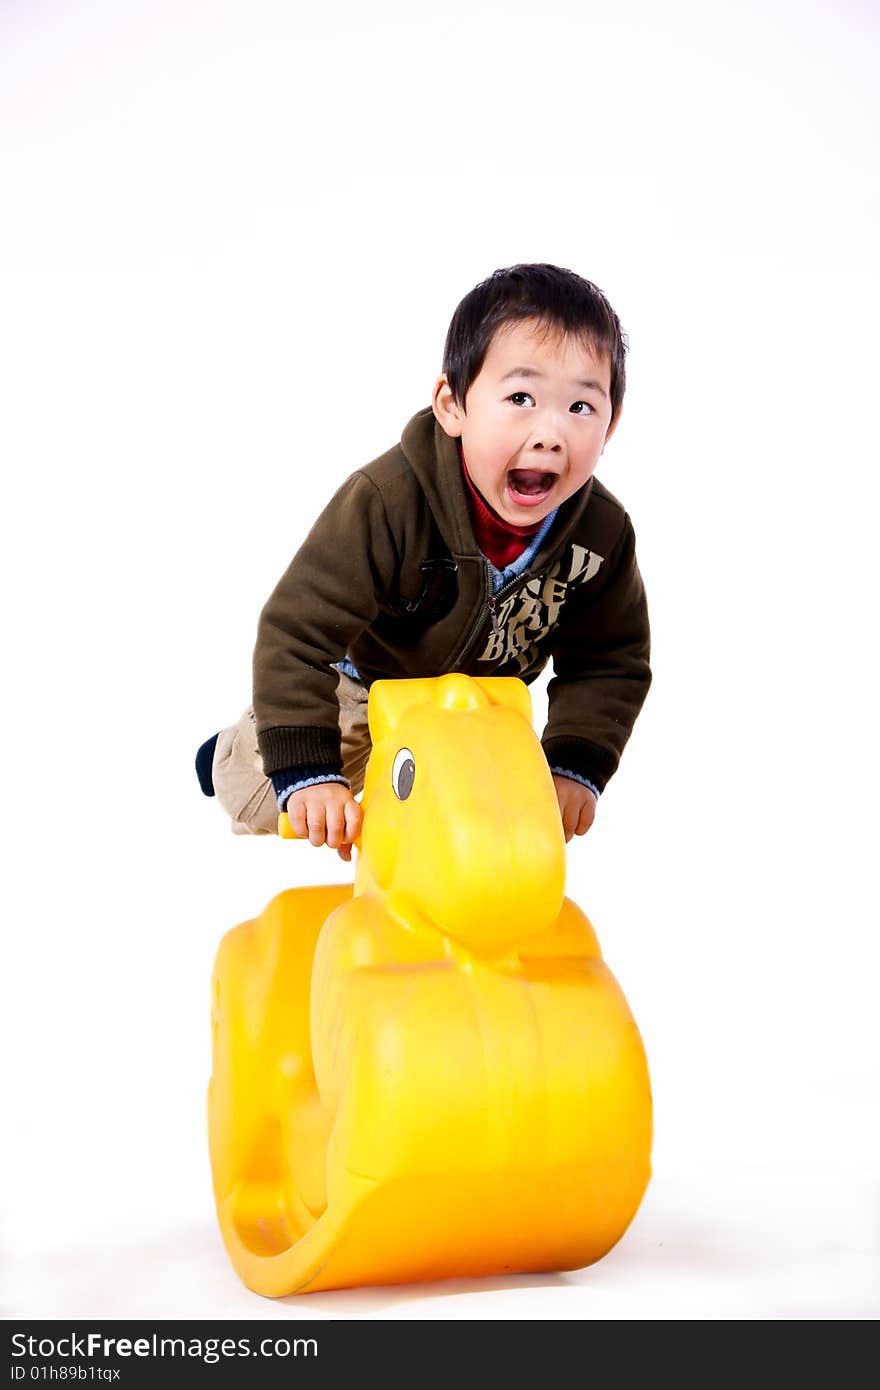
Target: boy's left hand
{"points": [[577, 805]]}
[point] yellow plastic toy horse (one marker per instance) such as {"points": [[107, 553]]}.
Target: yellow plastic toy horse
{"points": [[432, 1074]]}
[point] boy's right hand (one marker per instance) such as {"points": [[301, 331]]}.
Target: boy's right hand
{"points": [[326, 813]]}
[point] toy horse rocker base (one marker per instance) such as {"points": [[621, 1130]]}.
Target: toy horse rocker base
{"points": [[432, 1074]]}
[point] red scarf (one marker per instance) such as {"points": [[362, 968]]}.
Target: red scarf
{"points": [[497, 539]]}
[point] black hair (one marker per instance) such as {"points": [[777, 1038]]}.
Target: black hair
{"points": [[560, 301]]}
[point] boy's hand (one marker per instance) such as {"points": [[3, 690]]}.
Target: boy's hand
{"points": [[577, 806], [326, 813]]}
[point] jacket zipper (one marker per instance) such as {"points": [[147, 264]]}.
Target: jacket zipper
{"points": [[493, 613], [491, 601]]}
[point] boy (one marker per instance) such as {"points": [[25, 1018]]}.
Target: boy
{"points": [[480, 543]]}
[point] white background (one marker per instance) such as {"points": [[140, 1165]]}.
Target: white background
{"points": [[232, 237]]}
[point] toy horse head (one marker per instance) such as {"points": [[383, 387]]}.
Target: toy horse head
{"points": [[461, 820]]}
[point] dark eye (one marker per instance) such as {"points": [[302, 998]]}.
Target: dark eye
{"points": [[403, 774]]}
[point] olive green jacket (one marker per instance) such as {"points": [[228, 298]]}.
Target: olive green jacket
{"points": [[391, 576]]}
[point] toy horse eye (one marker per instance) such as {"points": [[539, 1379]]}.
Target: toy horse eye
{"points": [[403, 774]]}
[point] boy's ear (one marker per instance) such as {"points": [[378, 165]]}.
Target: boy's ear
{"points": [[447, 411]]}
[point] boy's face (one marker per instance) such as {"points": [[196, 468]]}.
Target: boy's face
{"points": [[535, 422]]}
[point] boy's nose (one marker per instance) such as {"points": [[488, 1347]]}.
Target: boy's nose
{"points": [[547, 432], [546, 437]]}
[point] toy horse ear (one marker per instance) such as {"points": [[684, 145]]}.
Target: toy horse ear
{"points": [[389, 701], [507, 690]]}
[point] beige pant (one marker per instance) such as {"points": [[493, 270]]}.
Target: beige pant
{"points": [[243, 789]]}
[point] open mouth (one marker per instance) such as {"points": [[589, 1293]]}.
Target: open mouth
{"points": [[529, 486]]}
